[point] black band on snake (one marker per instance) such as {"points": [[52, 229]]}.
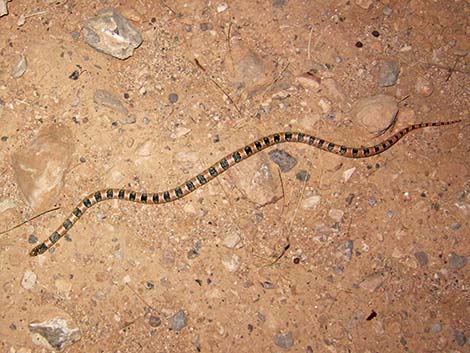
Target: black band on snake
{"points": [[218, 168]]}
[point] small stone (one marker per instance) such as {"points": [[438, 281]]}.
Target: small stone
{"points": [[206, 26], [20, 67], [387, 11], [279, 3], [376, 34], [455, 226], [283, 159], [309, 81], [344, 251], [126, 279], [388, 73], [372, 282], [110, 33], [422, 258], [375, 112], [178, 321], [155, 321], [3, 7], [222, 7], [423, 87], [32, 239], [311, 202], [194, 251], [372, 201], [284, 340], [436, 328], [267, 285], [233, 241], [365, 4], [75, 35], [302, 175], [149, 285], [359, 44], [29, 280], [173, 98], [460, 337], [456, 261], [349, 199], [130, 119], [108, 100], [347, 174], [336, 215], [4, 138], [231, 263], [58, 333]]}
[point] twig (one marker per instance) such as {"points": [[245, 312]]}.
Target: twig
{"points": [[165, 5], [29, 220], [198, 64], [276, 79], [309, 43], [452, 70]]}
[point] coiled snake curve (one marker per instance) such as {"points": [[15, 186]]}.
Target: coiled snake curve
{"points": [[218, 168]]}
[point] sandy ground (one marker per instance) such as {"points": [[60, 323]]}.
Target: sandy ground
{"points": [[376, 262]]}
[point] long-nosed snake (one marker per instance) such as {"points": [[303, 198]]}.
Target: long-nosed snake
{"points": [[220, 167]]}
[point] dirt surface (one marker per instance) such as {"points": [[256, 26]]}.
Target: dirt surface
{"points": [[378, 247]]}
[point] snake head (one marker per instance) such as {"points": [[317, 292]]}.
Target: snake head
{"points": [[38, 250]]}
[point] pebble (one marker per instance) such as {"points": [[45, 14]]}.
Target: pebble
{"points": [[345, 250], [456, 261], [194, 251], [311, 202], [267, 285], [347, 174], [58, 332], [284, 340], [41, 165], [206, 26], [32, 239], [388, 73], [303, 175], [155, 321], [423, 87], [436, 328], [100, 33], [349, 199], [283, 159], [387, 11], [173, 98], [372, 201], [422, 258], [455, 226], [250, 71], [231, 263], [149, 285], [108, 100], [336, 215], [365, 4], [460, 337], [20, 67], [178, 321], [310, 81], [130, 119], [372, 282], [3, 8], [233, 241], [29, 280], [222, 7]]}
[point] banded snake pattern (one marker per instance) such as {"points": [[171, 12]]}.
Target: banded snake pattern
{"points": [[218, 168]]}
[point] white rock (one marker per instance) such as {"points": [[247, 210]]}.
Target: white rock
{"points": [[233, 241], [231, 263], [347, 174], [144, 149], [20, 67], [365, 4], [222, 7], [29, 280], [311, 202], [336, 215], [6, 204]]}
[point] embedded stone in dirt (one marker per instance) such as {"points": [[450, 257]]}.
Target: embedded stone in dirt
{"points": [[178, 321], [456, 261], [20, 67], [110, 33], [284, 340], [375, 112], [388, 73], [372, 282], [40, 167], [56, 333], [3, 8], [283, 159], [108, 100]]}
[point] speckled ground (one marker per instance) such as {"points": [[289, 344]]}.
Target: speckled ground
{"points": [[376, 262]]}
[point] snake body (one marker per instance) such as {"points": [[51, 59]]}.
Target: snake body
{"points": [[220, 167]]}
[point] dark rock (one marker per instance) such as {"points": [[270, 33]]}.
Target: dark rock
{"points": [[422, 258], [456, 261], [154, 321], [178, 321], [283, 159], [284, 340], [460, 337]]}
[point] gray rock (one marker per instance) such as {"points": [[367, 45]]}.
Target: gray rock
{"points": [[283, 159], [178, 321], [460, 337], [387, 11], [110, 33], [108, 100], [422, 258], [56, 332], [40, 167], [456, 261], [436, 328], [303, 175], [155, 321], [388, 73], [344, 250], [20, 67], [284, 340]]}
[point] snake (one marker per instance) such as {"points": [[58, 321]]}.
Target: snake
{"points": [[220, 167]]}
